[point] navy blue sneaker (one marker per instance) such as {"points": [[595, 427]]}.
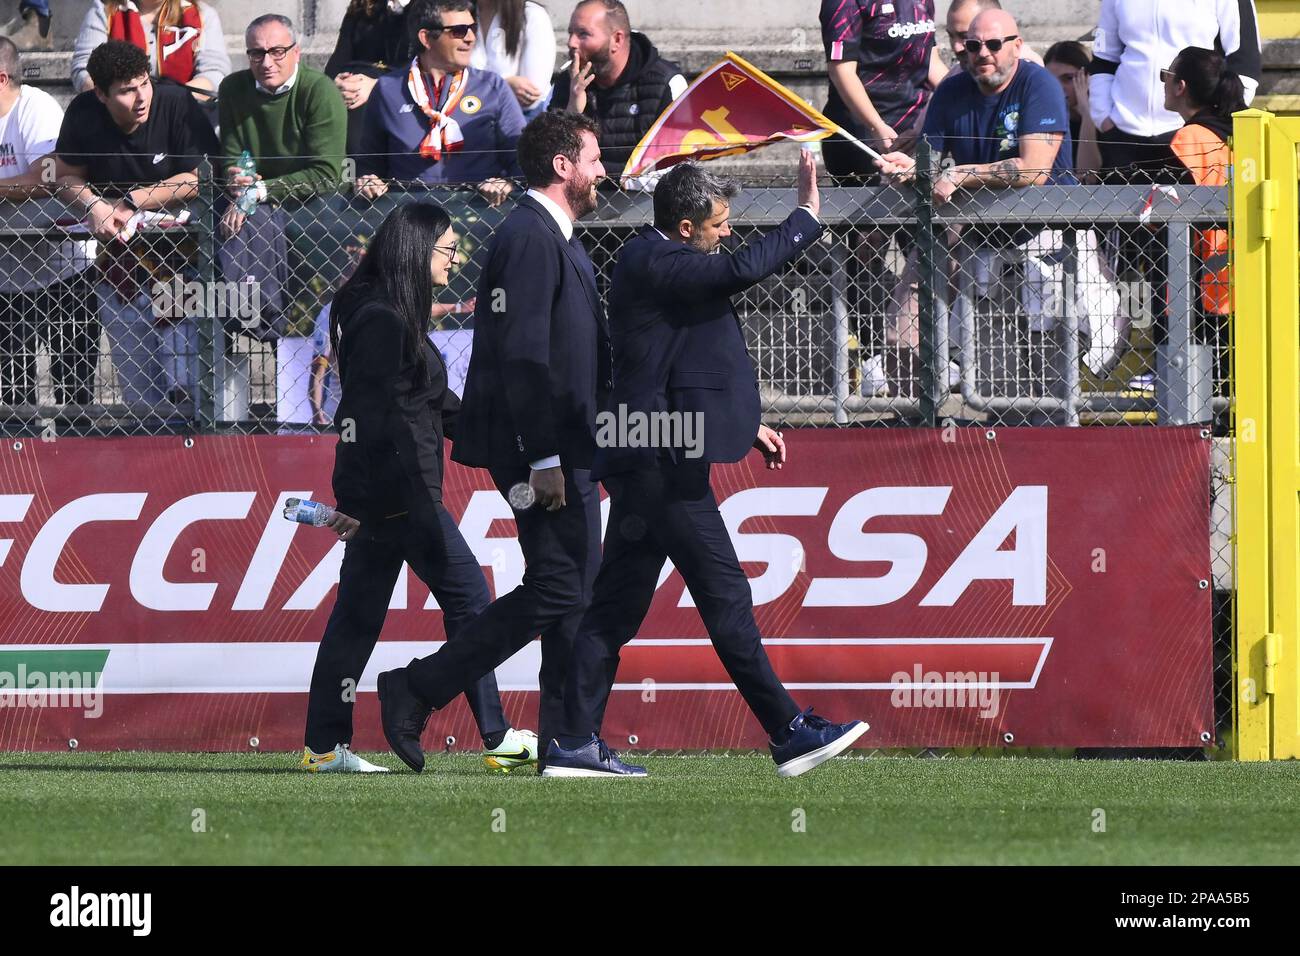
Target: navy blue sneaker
{"points": [[593, 759], [813, 740]]}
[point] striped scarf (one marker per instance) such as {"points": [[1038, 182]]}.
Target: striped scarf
{"points": [[444, 134]]}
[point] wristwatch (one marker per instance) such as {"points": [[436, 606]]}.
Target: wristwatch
{"points": [[130, 203]]}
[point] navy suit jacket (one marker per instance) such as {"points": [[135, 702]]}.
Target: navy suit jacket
{"points": [[678, 345], [540, 367]]}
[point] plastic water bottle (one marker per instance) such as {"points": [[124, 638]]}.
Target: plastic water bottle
{"points": [[314, 513], [248, 198]]}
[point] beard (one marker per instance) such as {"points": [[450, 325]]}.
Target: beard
{"points": [[992, 80], [581, 196], [600, 61]]}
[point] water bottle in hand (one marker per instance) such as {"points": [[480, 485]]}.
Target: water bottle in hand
{"points": [[314, 513], [248, 198]]}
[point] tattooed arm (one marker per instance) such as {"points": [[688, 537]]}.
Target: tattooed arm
{"points": [[1031, 168]]}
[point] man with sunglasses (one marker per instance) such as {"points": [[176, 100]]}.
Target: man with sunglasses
{"points": [[1002, 123], [436, 119], [289, 117]]}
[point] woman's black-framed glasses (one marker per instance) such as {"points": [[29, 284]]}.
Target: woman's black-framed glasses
{"points": [[276, 53], [994, 45], [450, 250]]}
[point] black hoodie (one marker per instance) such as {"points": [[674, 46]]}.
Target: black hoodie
{"points": [[625, 111]]}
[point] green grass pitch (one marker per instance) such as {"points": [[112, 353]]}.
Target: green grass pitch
{"points": [[140, 808]]}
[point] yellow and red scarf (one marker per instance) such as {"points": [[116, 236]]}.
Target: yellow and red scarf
{"points": [[175, 47], [444, 134]]}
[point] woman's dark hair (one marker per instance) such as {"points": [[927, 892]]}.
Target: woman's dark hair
{"points": [[366, 9], [512, 22], [1209, 85], [1069, 52], [396, 269]]}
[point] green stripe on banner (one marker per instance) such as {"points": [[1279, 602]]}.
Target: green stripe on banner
{"points": [[18, 667]]}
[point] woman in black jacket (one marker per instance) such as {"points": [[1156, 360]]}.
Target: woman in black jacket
{"points": [[372, 40], [393, 413]]}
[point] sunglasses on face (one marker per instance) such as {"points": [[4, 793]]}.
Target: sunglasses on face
{"points": [[459, 30], [994, 45], [1167, 76], [276, 53]]}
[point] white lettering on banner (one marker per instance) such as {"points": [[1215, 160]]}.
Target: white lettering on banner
{"points": [[39, 588], [906, 553], [12, 508], [148, 586], [1025, 513], [272, 547], [774, 550]]}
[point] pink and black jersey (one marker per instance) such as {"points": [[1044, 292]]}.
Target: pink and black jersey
{"points": [[891, 42]]}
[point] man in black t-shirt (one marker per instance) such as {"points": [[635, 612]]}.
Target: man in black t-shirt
{"points": [[128, 146], [883, 63]]}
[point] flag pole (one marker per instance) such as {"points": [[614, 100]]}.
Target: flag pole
{"points": [[858, 143]]}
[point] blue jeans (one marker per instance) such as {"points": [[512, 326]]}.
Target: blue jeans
{"points": [[42, 7]]}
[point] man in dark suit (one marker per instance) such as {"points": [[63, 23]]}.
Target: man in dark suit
{"points": [[679, 354], [539, 371]]}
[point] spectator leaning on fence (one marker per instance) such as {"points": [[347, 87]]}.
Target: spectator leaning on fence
{"points": [[127, 146], [616, 77], [184, 40], [1003, 122], [1068, 62], [289, 117], [45, 291], [372, 40], [517, 42], [1135, 40], [439, 120]]}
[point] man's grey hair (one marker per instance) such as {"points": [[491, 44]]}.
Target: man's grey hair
{"points": [[9, 62], [688, 191], [267, 19]]}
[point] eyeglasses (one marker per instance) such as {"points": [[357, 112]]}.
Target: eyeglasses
{"points": [[994, 45], [459, 30], [276, 53], [451, 250], [1167, 76]]}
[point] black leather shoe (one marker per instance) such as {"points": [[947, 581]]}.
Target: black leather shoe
{"points": [[404, 717]]}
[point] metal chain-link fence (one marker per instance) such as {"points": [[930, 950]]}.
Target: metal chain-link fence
{"points": [[1053, 306]]}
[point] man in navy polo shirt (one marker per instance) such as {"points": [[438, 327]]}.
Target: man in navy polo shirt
{"points": [[436, 120], [1003, 121]]}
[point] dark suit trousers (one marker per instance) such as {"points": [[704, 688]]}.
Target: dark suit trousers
{"points": [[432, 545], [561, 554], [662, 512]]}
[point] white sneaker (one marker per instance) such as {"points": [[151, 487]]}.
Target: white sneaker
{"points": [[874, 380], [518, 749], [339, 760]]}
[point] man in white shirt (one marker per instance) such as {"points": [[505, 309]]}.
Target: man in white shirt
{"points": [[45, 293], [1135, 41]]}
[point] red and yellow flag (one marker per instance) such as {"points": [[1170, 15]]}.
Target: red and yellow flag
{"points": [[732, 107]]}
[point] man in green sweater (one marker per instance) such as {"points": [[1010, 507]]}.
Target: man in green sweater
{"points": [[289, 117]]}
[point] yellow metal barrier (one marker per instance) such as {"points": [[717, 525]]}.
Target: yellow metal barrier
{"points": [[1266, 346]]}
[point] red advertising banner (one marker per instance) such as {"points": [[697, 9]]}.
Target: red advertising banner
{"points": [[953, 587]]}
